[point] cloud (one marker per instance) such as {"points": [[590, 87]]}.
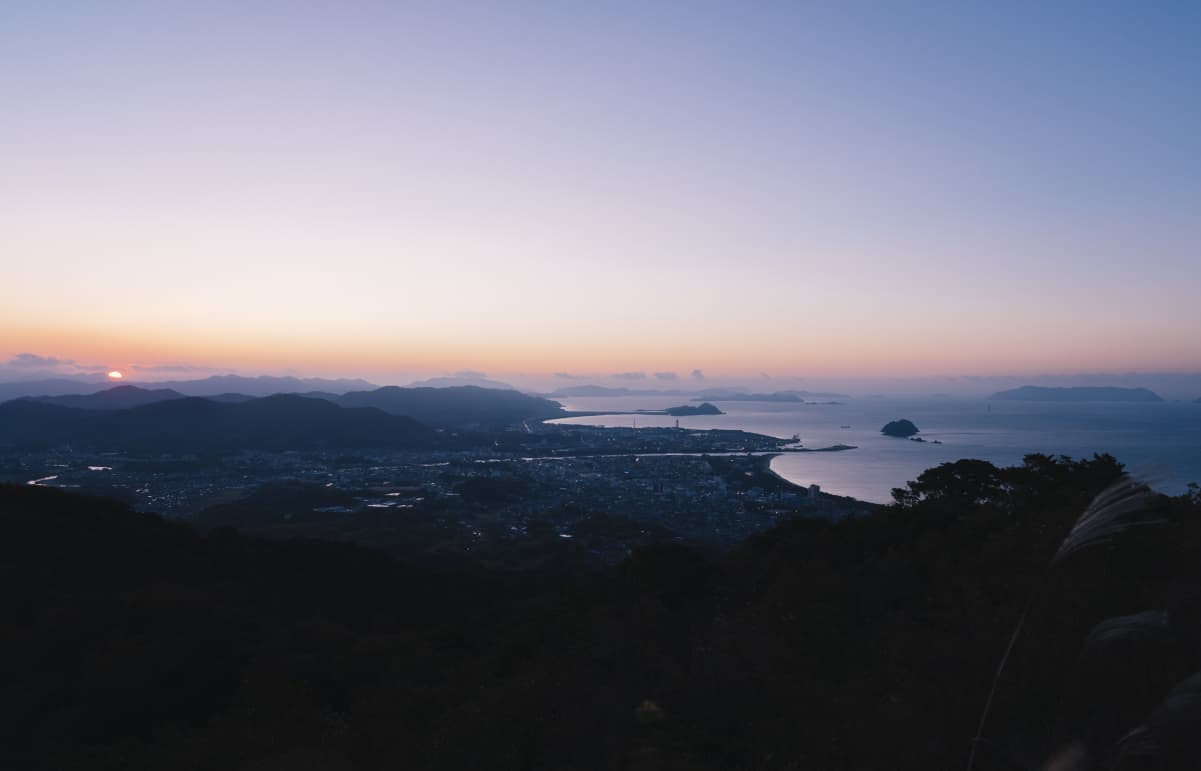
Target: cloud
{"points": [[567, 376], [697, 375], [630, 375], [169, 368], [471, 373], [666, 376], [24, 366], [33, 360], [764, 376]]}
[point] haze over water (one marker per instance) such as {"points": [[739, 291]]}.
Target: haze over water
{"points": [[1161, 441]]}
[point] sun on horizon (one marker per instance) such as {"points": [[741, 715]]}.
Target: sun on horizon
{"points": [[115, 375]]}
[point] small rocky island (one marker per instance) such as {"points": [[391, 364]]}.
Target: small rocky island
{"points": [[899, 428]]}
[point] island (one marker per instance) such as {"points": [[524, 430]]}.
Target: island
{"points": [[687, 409], [899, 428], [684, 410], [1078, 394]]}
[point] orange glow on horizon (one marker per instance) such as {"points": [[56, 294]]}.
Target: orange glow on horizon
{"points": [[792, 351]]}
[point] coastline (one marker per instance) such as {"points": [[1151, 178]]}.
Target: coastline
{"points": [[764, 454], [825, 500], [780, 448]]}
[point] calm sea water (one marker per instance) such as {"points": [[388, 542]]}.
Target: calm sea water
{"points": [[1160, 442]]}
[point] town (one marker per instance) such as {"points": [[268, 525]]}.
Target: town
{"points": [[577, 495]]}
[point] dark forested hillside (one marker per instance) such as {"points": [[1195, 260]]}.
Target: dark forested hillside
{"points": [[134, 419], [194, 424], [132, 642], [456, 406]]}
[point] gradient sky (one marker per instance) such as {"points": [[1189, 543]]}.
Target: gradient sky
{"points": [[798, 188]]}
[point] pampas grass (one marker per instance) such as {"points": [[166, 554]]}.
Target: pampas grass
{"points": [[1111, 638], [1149, 623], [1177, 717], [1111, 512]]}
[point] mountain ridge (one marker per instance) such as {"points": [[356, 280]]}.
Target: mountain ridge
{"points": [[262, 385], [117, 398]]}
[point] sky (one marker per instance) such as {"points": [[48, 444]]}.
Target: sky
{"points": [[788, 191]]}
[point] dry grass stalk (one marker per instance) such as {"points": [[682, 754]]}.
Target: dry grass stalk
{"points": [[1110, 513]]}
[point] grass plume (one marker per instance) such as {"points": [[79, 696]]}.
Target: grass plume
{"points": [[1113, 510], [1172, 726], [1110, 513]]}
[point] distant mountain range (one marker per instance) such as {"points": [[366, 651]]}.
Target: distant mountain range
{"points": [[121, 397], [596, 390], [217, 385], [264, 385], [193, 424], [456, 380], [708, 394], [735, 395], [20, 388], [1077, 394], [125, 397]]}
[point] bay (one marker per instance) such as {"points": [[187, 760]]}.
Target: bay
{"points": [[1160, 442]]}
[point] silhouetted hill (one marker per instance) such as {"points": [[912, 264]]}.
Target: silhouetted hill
{"points": [[1078, 394], [326, 395], [282, 422], [869, 643], [121, 397], [233, 398], [28, 423], [459, 406]]}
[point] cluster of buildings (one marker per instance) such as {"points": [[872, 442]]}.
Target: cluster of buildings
{"points": [[604, 490]]}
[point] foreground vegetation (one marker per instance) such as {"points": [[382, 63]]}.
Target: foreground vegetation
{"points": [[131, 642]]}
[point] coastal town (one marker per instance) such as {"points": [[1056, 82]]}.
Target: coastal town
{"points": [[521, 497]]}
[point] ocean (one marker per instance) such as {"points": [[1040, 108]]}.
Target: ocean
{"points": [[1160, 442]]}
